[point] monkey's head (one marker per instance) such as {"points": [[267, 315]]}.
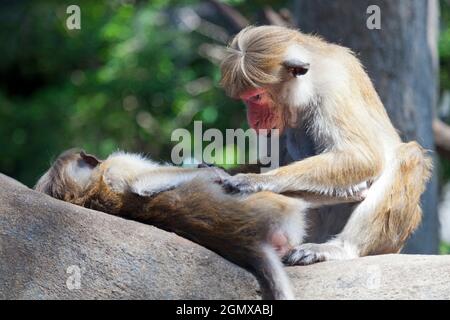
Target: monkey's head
{"points": [[272, 70], [69, 175]]}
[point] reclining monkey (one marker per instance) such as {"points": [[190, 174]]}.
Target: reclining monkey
{"points": [[252, 231]]}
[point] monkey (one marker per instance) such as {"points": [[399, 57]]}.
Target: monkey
{"points": [[319, 91], [252, 231]]}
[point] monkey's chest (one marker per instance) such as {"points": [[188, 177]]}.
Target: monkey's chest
{"points": [[295, 145], [325, 222]]}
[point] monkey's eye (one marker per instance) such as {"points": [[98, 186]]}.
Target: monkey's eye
{"points": [[256, 98], [298, 71], [296, 67]]}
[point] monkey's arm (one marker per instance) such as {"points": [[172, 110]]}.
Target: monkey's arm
{"points": [[332, 173], [163, 179]]}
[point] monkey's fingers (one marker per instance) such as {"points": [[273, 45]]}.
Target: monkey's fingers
{"points": [[239, 184], [302, 257], [228, 187], [310, 253], [213, 174]]}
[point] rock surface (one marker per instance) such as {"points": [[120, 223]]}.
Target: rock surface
{"points": [[54, 250]]}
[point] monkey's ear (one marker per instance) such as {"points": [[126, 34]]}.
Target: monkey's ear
{"points": [[90, 159], [296, 67]]}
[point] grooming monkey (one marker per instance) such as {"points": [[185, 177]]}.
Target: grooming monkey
{"points": [[253, 231], [318, 92]]}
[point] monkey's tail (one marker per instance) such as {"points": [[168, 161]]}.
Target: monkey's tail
{"points": [[272, 278], [413, 170], [395, 198]]}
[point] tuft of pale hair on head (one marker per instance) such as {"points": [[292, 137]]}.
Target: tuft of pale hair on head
{"points": [[254, 58], [56, 182]]}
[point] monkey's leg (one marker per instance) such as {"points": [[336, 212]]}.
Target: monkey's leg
{"points": [[384, 220]]}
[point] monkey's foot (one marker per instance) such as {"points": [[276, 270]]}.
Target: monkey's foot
{"points": [[310, 253], [241, 183]]}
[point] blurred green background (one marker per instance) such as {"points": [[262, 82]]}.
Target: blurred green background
{"points": [[444, 45], [133, 73]]}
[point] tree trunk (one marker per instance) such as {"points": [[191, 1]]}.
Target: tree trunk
{"points": [[401, 58]]}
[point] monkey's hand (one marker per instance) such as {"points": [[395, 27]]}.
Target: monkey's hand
{"points": [[244, 183], [217, 174], [310, 253]]}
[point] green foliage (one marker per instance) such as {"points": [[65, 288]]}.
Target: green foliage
{"points": [[126, 80], [444, 52], [444, 45], [444, 248]]}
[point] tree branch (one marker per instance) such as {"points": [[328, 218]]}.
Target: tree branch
{"points": [[442, 138], [275, 18], [237, 20]]}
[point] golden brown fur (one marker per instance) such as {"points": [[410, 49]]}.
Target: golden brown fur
{"points": [[354, 138]]}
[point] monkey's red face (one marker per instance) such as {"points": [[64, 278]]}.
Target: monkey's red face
{"points": [[261, 110]]}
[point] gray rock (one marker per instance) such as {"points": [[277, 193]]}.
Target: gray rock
{"points": [[50, 249], [394, 276]]}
